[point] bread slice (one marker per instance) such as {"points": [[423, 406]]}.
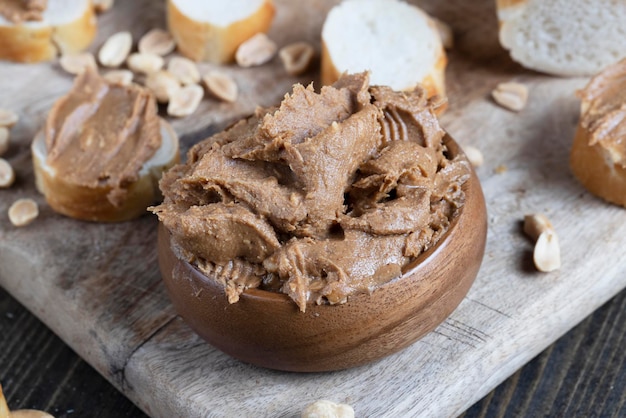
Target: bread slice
{"points": [[398, 43], [92, 204], [598, 155], [212, 30], [67, 26], [563, 37]]}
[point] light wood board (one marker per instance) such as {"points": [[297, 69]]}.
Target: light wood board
{"points": [[98, 286]]}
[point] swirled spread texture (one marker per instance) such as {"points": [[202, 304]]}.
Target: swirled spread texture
{"points": [[101, 134], [329, 194]]}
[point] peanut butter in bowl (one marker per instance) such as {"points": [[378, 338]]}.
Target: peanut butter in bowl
{"points": [[323, 200]]}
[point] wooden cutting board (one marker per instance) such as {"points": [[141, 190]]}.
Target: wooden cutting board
{"points": [[98, 287]]}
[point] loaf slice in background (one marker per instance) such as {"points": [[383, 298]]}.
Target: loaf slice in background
{"points": [[564, 37], [212, 30], [66, 26], [398, 43]]}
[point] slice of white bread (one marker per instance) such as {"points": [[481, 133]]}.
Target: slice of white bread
{"points": [[398, 43], [598, 155], [212, 30], [92, 204], [67, 26], [563, 37]]}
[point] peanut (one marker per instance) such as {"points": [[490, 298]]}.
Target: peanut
{"points": [[535, 224], [512, 96], [156, 41], [115, 49], [296, 57], [122, 77], [145, 63], [185, 101], [77, 63], [7, 175], [221, 86], [184, 70], [163, 84], [8, 118], [328, 409], [255, 51], [23, 211], [547, 254], [474, 156]]}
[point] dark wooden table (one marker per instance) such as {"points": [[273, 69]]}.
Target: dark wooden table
{"points": [[583, 374]]}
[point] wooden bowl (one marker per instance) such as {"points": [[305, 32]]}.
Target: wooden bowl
{"points": [[267, 329]]}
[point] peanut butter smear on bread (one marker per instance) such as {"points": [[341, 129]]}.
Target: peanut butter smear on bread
{"points": [[18, 11], [325, 196], [604, 111], [101, 134]]}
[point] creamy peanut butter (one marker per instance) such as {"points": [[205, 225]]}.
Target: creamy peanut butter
{"points": [[604, 111], [18, 11], [101, 134], [328, 195]]}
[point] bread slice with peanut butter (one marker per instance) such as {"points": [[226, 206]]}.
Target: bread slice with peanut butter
{"points": [[598, 156], [102, 151]]}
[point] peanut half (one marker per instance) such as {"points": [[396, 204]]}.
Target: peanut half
{"points": [[163, 85], [4, 408], [145, 63], [7, 174], [296, 57], [255, 51], [121, 77], [22, 413], [77, 63], [156, 41], [221, 86], [535, 224], [474, 156], [23, 211], [512, 96], [547, 253], [326, 408], [185, 101], [115, 49], [184, 70], [8, 118], [30, 413]]}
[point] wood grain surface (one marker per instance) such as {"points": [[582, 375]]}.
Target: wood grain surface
{"points": [[98, 287], [583, 374]]}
